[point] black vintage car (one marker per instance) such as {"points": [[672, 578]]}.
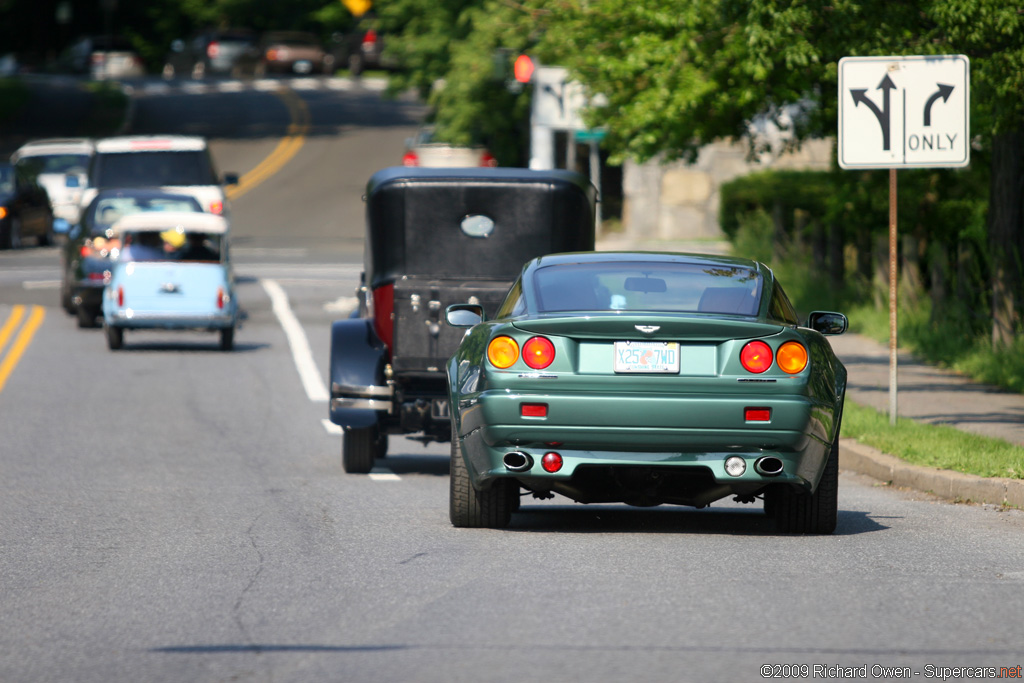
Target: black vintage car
{"points": [[437, 237]]}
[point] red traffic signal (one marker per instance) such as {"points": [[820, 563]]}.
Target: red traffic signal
{"points": [[522, 69]]}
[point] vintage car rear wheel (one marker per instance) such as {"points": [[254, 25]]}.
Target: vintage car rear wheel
{"points": [[469, 508], [358, 448], [806, 513], [87, 316], [115, 337]]}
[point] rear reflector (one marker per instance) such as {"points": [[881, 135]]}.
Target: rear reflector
{"points": [[757, 414], [533, 409], [551, 462]]}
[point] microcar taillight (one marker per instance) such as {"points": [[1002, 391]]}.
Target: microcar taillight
{"points": [[410, 159], [538, 353], [756, 357], [222, 297], [383, 313], [503, 352], [791, 357], [120, 297]]}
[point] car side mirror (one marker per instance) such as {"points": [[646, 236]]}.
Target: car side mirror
{"points": [[464, 315], [230, 178], [827, 322]]}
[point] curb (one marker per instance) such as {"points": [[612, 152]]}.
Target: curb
{"points": [[953, 486]]}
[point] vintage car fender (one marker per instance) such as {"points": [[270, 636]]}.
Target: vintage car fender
{"points": [[359, 391]]}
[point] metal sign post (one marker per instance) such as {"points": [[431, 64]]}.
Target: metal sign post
{"points": [[921, 119]]}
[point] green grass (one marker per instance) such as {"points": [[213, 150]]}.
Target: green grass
{"points": [[939, 446], [13, 95]]}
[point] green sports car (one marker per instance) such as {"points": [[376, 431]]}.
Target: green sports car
{"points": [[646, 378]]}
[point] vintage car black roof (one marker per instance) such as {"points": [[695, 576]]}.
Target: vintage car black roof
{"points": [[414, 219]]}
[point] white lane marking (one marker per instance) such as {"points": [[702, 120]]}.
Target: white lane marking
{"points": [[314, 385], [331, 427], [41, 284], [384, 476]]}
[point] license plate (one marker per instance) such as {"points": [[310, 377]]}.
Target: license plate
{"points": [[439, 409], [647, 356]]}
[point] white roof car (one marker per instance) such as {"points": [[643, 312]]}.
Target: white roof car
{"points": [[61, 166], [180, 221], [175, 163]]}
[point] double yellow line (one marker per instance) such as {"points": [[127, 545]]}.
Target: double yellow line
{"points": [[21, 342], [288, 147]]}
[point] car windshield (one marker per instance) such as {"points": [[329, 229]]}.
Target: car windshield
{"points": [[153, 169], [649, 286], [108, 210]]}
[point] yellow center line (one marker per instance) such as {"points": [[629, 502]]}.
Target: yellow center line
{"points": [[12, 322], [287, 148], [21, 343]]}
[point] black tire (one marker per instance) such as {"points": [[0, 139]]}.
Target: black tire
{"points": [[472, 509], [358, 449], [115, 337], [799, 512], [227, 339], [47, 238], [14, 240], [86, 316], [381, 445], [66, 301]]}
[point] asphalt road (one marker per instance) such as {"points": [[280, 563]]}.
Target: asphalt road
{"points": [[174, 513]]}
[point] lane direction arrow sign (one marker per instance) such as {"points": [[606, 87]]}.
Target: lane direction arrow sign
{"points": [[923, 120]]}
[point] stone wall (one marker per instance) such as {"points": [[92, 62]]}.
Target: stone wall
{"points": [[679, 201]]}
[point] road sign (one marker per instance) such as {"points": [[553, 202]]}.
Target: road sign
{"points": [[904, 112], [358, 7]]}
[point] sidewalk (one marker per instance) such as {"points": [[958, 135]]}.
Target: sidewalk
{"points": [[924, 393]]}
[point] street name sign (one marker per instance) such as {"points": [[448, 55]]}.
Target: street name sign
{"points": [[904, 112]]}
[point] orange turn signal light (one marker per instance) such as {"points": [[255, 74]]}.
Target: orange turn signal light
{"points": [[792, 357], [503, 352]]}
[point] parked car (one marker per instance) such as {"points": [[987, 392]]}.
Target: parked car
{"points": [[157, 284], [233, 52], [104, 57], [435, 237], [646, 378], [24, 208], [180, 164], [293, 52], [362, 48], [61, 166], [423, 150], [92, 246]]}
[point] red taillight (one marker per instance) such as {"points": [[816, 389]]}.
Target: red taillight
{"points": [[222, 297], [212, 50], [271, 55], [97, 276], [383, 313], [538, 353], [533, 409], [486, 159], [410, 159], [551, 462], [85, 250], [217, 207], [756, 357], [120, 297], [757, 414], [370, 37]]}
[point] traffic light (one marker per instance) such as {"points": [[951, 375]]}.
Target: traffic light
{"points": [[523, 68]]}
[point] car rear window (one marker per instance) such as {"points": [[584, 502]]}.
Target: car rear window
{"points": [[153, 169], [649, 286], [108, 210]]}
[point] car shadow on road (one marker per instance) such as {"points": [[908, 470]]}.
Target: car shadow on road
{"points": [[612, 519], [431, 464], [189, 347]]}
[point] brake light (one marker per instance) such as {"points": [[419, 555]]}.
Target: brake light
{"points": [[97, 276], [3, 212], [551, 462], [217, 207], [487, 160], [533, 409], [792, 357], [85, 250], [538, 353], [503, 352], [222, 298], [757, 414], [370, 37], [756, 357], [271, 55], [383, 313], [120, 297], [213, 49], [410, 159]]}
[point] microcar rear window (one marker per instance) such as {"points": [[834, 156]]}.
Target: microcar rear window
{"points": [[649, 286]]}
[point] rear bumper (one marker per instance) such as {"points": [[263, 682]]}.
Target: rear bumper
{"points": [[130, 319]]}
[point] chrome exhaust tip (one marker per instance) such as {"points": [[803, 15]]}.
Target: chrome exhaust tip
{"points": [[517, 461], [768, 466]]}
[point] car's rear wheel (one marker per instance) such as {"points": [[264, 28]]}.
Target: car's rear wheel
{"points": [[358, 449], [66, 302], [86, 316], [115, 337], [799, 512], [469, 508], [14, 233], [227, 339]]}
